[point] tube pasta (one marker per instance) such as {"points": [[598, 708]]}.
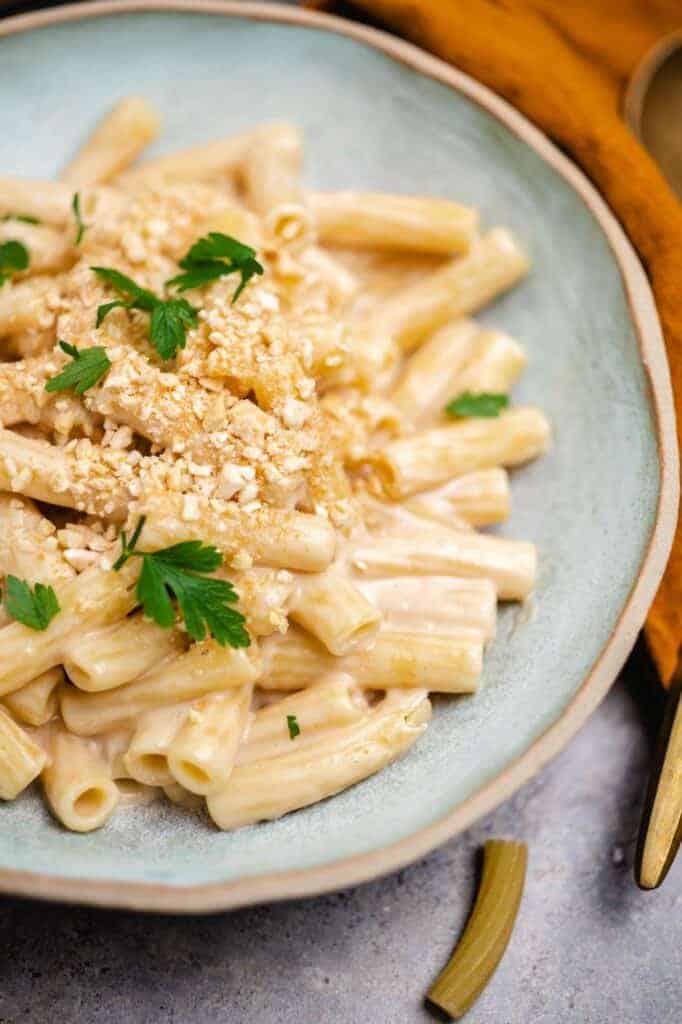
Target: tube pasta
{"points": [[334, 701], [460, 288], [201, 755], [496, 364], [425, 385], [106, 658], [116, 141], [47, 201], [298, 429], [21, 760], [96, 597], [146, 759], [417, 463], [278, 538], [267, 789], [78, 783], [482, 498], [36, 702], [205, 668], [398, 659], [271, 175], [336, 612], [374, 220], [510, 564], [447, 604], [49, 250], [221, 158]]}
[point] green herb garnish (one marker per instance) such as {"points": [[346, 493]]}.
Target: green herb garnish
{"points": [[34, 608], [174, 572], [485, 405], [293, 727], [88, 367], [13, 257], [170, 318], [214, 256], [23, 217], [81, 227]]}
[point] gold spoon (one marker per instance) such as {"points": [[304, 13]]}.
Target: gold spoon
{"points": [[653, 110]]}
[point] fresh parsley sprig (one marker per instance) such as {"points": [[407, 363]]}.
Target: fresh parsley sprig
{"points": [[214, 256], [34, 608], [13, 257], [175, 572], [23, 217], [293, 727], [170, 318], [88, 367], [484, 404], [81, 226]]}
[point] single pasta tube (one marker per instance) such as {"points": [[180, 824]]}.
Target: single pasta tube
{"points": [[106, 658], [333, 609], [482, 498], [116, 141], [47, 201], [448, 605], [202, 754], [136, 794], [271, 172], [49, 250], [47, 473], [424, 386], [398, 659], [376, 220], [146, 759], [28, 543], [333, 701], [21, 760], [205, 668], [264, 790], [24, 401], [36, 702], [78, 783], [427, 459], [496, 364], [510, 564], [460, 288], [220, 158], [280, 538], [28, 306], [95, 598]]}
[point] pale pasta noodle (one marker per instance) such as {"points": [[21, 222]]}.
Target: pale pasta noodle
{"points": [[249, 433]]}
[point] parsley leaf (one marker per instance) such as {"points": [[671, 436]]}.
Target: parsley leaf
{"points": [[13, 257], [170, 318], [485, 405], [80, 225], [34, 608], [174, 572], [213, 256], [23, 217], [293, 726], [88, 367]]}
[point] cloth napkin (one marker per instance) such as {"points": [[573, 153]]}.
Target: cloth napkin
{"points": [[565, 66]]}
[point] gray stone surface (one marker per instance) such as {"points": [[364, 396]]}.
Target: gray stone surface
{"points": [[588, 946]]}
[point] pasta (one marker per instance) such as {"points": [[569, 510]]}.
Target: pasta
{"points": [[249, 435]]}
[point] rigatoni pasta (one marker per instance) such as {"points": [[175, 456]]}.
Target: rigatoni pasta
{"points": [[249, 432]]}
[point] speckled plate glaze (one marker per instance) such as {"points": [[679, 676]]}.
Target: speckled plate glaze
{"points": [[601, 507]]}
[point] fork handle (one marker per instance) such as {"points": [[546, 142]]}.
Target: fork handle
{"points": [[660, 832]]}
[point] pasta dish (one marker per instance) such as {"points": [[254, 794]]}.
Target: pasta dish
{"points": [[249, 434]]}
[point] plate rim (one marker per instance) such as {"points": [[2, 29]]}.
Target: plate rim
{"points": [[348, 871]]}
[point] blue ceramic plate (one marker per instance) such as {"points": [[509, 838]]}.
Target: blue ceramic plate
{"points": [[379, 114]]}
